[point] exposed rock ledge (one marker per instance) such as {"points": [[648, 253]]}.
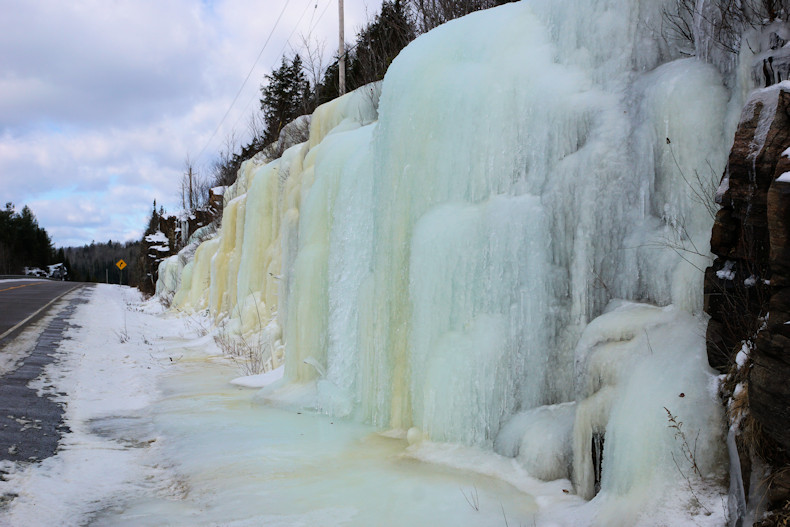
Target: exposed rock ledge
{"points": [[747, 289]]}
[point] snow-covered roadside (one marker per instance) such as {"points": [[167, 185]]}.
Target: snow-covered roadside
{"points": [[106, 373], [160, 436]]}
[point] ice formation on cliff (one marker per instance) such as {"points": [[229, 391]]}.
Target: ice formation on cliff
{"points": [[447, 250]]}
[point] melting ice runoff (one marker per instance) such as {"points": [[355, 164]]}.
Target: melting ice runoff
{"points": [[499, 246]]}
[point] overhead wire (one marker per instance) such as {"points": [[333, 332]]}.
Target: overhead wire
{"points": [[312, 17], [311, 26], [247, 78], [323, 13], [296, 26]]}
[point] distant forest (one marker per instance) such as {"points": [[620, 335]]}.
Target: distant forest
{"points": [[23, 243], [96, 262]]}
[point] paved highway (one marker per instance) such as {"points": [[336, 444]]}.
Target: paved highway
{"points": [[21, 300], [31, 424]]}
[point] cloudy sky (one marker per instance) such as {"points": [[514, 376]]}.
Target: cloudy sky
{"points": [[101, 101]]}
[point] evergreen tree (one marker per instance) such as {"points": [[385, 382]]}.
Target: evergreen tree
{"points": [[96, 262], [431, 13], [153, 222], [285, 97], [377, 45], [380, 42], [22, 242]]}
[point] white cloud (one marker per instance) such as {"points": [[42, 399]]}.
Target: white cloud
{"points": [[97, 61], [103, 100]]}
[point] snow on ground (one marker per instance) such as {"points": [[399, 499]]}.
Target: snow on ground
{"points": [[260, 380], [103, 366], [160, 436]]}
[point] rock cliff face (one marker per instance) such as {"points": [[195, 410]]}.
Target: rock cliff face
{"points": [[769, 388], [173, 234], [747, 289]]}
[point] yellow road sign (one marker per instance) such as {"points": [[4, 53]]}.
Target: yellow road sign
{"points": [[120, 264]]}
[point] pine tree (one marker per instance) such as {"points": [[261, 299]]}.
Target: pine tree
{"points": [[153, 222], [284, 97], [22, 242], [380, 42], [377, 45]]}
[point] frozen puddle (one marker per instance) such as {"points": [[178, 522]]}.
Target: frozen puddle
{"points": [[235, 462]]}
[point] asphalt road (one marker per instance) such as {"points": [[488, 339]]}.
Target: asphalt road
{"points": [[21, 300], [31, 423]]}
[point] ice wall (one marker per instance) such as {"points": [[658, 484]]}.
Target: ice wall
{"points": [[238, 274], [446, 263]]}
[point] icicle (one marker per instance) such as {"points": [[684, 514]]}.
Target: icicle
{"points": [[436, 268], [736, 502]]}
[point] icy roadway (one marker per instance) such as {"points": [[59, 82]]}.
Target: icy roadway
{"points": [[35, 312]]}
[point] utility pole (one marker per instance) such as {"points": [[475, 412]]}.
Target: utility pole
{"points": [[341, 53]]}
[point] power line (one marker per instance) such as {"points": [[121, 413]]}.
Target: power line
{"points": [[323, 13], [312, 17], [295, 28], [252, 97], [245, 81]]}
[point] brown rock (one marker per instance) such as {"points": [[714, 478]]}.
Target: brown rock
{"points": [[741, 231], [216, 201], [779, 490], [747, 289], [751, 237], [725, 232], [779, 225]]}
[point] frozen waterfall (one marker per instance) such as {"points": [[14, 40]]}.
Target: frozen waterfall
{"points": [[501, 246]]}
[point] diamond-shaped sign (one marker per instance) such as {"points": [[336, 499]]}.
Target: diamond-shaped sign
{"points": [[120, 264]]}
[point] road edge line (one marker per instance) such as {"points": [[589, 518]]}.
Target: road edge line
{"points": [[42, 308]]}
